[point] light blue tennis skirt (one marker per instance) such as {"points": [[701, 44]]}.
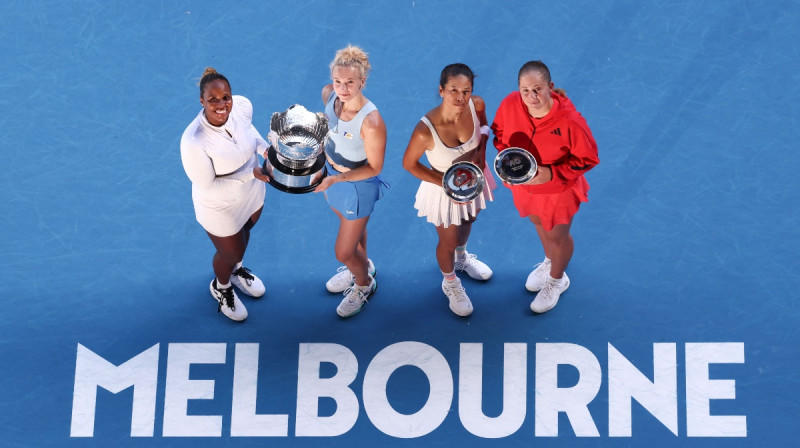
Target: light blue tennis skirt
{"points": [[357, 199]]}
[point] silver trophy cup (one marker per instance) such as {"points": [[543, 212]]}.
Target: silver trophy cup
{"points": [[515, 166], [463, 182], [295, 160]]}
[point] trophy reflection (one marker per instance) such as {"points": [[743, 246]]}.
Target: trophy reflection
{"points": [[295, 160]]}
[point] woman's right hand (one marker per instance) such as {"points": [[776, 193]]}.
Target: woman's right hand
{"points": [[326, 183]]}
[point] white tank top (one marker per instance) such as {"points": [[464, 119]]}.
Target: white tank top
{"points": [[441, 156]]}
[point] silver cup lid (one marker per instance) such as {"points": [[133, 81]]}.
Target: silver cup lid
{"points": [[298, 134], [515, 166], [463, 182]]}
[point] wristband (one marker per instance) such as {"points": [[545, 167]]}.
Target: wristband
{"points": [[485, 130]]}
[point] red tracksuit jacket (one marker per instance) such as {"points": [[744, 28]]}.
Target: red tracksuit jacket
{"points": [[561, 140]]}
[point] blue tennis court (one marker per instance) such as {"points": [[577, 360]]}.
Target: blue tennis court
{"points": [[680, 327]]}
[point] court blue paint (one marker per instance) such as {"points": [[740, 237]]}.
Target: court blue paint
{"points": [[685, 254]]}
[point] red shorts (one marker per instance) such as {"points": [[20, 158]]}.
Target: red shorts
{"points": [[551, 208]]}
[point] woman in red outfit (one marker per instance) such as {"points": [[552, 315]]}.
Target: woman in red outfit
{"points": [[543, 121]]}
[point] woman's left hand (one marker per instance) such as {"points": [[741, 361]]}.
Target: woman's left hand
{"points": [[259, 174]]}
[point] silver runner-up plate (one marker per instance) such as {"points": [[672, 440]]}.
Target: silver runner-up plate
{"points": [[463, 182], [295, 160], [515, 166]]}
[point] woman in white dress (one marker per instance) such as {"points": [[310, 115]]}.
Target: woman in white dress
{"points": [[219, 154], [454, 131]]}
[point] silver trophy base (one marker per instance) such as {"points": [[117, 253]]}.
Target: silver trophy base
{"points": [[294, 180]]}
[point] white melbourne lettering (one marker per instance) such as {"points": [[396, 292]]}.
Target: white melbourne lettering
{"points": [[626, 383]]}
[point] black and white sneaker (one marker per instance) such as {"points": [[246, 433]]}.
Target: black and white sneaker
{"points": [[247, 282], [228, 301]]}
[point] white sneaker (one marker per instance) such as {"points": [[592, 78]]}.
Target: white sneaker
{"points": [[355, 297], [459, 302], [548, 296], [539, 275], [248, 283], [473, 267], [344, 279], [228, 301]]}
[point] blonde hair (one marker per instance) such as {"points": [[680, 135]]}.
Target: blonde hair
{"points": [[352, 56]]}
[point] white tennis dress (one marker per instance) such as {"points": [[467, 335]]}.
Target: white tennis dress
{"points": [[431, 200], [219, 161]]}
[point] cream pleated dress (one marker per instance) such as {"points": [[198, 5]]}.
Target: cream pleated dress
{"points": [[431, 201]]}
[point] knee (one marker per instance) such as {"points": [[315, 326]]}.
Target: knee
{"points": [[344, 255], [560, 240]]}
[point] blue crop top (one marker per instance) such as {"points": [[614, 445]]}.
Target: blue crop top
{"points": [[345, 146]]}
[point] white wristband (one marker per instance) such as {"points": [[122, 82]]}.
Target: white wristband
{"points": [[485, 130]]}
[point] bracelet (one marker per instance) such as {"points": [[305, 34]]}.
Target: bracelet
{"points": [[485, 130]]}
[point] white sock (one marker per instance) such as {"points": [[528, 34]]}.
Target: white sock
{"points": [[556, 280], [461, 252], [225, 286]]}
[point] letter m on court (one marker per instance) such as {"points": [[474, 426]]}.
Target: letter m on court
{"points": [[92, 371]]}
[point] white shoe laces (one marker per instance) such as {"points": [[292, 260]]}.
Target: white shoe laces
{"points": [[342, 275], [467, 260], [458, 292], [542, 265], [551, 285], [354, 294]]}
